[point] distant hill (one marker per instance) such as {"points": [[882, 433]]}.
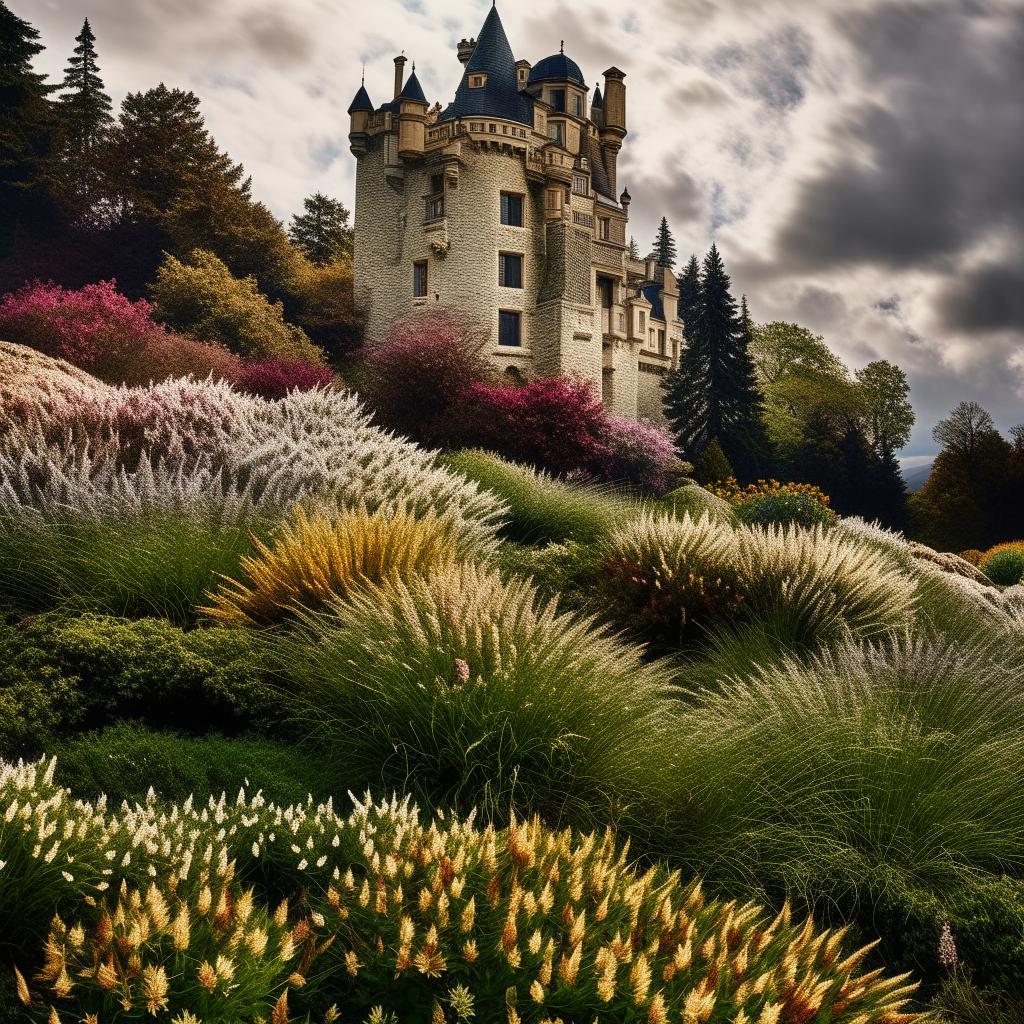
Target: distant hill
{"points": [[916, 469]]}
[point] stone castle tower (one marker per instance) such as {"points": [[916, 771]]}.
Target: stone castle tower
{"points": [[503, 207]]}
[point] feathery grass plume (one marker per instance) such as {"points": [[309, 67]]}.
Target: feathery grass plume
{"points": [[314, 558], [814, 585], [660, 575], [555, 714], [541, 508], [206, 451], [905, 756]]}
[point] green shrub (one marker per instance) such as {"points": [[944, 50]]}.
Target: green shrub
{"points": [[712, 464], [695, 501], [565, 572], [476, 694], [784, 508], [542, 509], [61, 675], [808, 778], [125, 761], [1004, 567], [158, 564]]}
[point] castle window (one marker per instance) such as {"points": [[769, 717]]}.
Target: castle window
{"points": [[477, 81], [602, 228], [650, 338], [581, 184], [579, 105], [661, 341], [556, 131], [643, 322], [436, 183], [512, 209], [435, 208], [509, 328], [510, 269], [419, 279], [556, 97], [493, 129]]}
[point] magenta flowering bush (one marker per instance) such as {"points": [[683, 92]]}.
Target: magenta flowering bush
{"points": [[641, 453], [102, 331], [275, 378], [556, 424]]}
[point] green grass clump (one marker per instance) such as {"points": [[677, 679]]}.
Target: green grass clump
{"points": [[125, 761], [61, 675], [157, 564], [1005, 567], [542, 509], [471, 691], [694, 500], [806, 778]]}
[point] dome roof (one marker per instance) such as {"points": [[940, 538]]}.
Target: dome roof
{"points": [[556, 66]]}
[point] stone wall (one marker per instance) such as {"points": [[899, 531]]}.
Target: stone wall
{"points": [[650, 397]]}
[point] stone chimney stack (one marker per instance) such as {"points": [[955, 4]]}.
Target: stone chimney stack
{"points": [[466, 48], [399, 74]]}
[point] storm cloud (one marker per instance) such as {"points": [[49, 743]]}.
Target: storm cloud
{"points": [[857, 161]]}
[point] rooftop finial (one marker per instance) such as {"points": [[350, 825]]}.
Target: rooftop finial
{"points": [[364, 75], [561, 48]]}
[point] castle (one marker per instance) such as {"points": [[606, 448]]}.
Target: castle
{"points": [[503, 206]]}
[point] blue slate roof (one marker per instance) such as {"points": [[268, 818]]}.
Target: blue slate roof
{"points": [[652, 293], [598, 100], [361, 101], [500, 95], [413, 90], [556, 66]]}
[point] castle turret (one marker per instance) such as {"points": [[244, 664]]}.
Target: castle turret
{"points": [[359, 111], [597, 108], [465, 51], [613, 127], [399, 73], [412, 119]]}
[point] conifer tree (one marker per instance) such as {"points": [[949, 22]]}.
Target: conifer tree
{"points": [[85, 112], [714, 393], [322, 232], [664, 248], [28, 126], [634, 250], [689, 294]]}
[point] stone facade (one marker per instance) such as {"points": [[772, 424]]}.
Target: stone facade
{"points": [[432, 227]]}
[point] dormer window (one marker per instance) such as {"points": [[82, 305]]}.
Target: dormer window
{"points": [[556, 97], [556, 131], [477, 81]]}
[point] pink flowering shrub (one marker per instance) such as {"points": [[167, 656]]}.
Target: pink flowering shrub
{"points": [[102, 331], [415, 380], [274, 378], [555, 424], [641, 453]]}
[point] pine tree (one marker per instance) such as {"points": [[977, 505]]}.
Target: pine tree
{"points": [[714, 393], [634, 250], [28, 125], [322, 232], [712, 467], [689, 294], [85, 112], [664, 248], [889, 491]]}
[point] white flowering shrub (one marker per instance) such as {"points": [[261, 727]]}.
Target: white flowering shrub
{"points": [[402, 919]]}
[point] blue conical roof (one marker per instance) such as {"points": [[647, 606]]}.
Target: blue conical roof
{"points": [[499, 96], [556, 66], [413, 90], [361, 101], [598, 100]]}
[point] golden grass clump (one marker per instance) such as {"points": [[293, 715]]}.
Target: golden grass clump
{"points": [[315, 559]]}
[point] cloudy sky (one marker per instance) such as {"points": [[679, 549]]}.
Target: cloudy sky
{"points": [[859, 162]]}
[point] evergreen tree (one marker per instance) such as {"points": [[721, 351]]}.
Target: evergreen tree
{"points": [[714, 393], [322, 232], [633, 250], [689, 295], [889, 491], [712, 467], [664, 248], [85, 112], [28, 126]]}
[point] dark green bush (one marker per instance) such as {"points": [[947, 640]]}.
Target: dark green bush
{"points": [[782, 508], [61, 675], [125, 760], [1005, 567]]}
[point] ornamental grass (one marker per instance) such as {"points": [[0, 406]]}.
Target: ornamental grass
{"points": [[314, 558], [395, 919], [475, 692]]}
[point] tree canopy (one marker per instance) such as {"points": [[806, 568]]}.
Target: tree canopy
{"points": [[322, 230]]}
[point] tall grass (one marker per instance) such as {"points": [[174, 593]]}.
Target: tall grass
{"points": [[156, 564], [471, 691], [542, 509], [909, 753]]}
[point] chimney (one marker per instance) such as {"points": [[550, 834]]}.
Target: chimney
{"points": [[399, 74], [466, 48]]}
